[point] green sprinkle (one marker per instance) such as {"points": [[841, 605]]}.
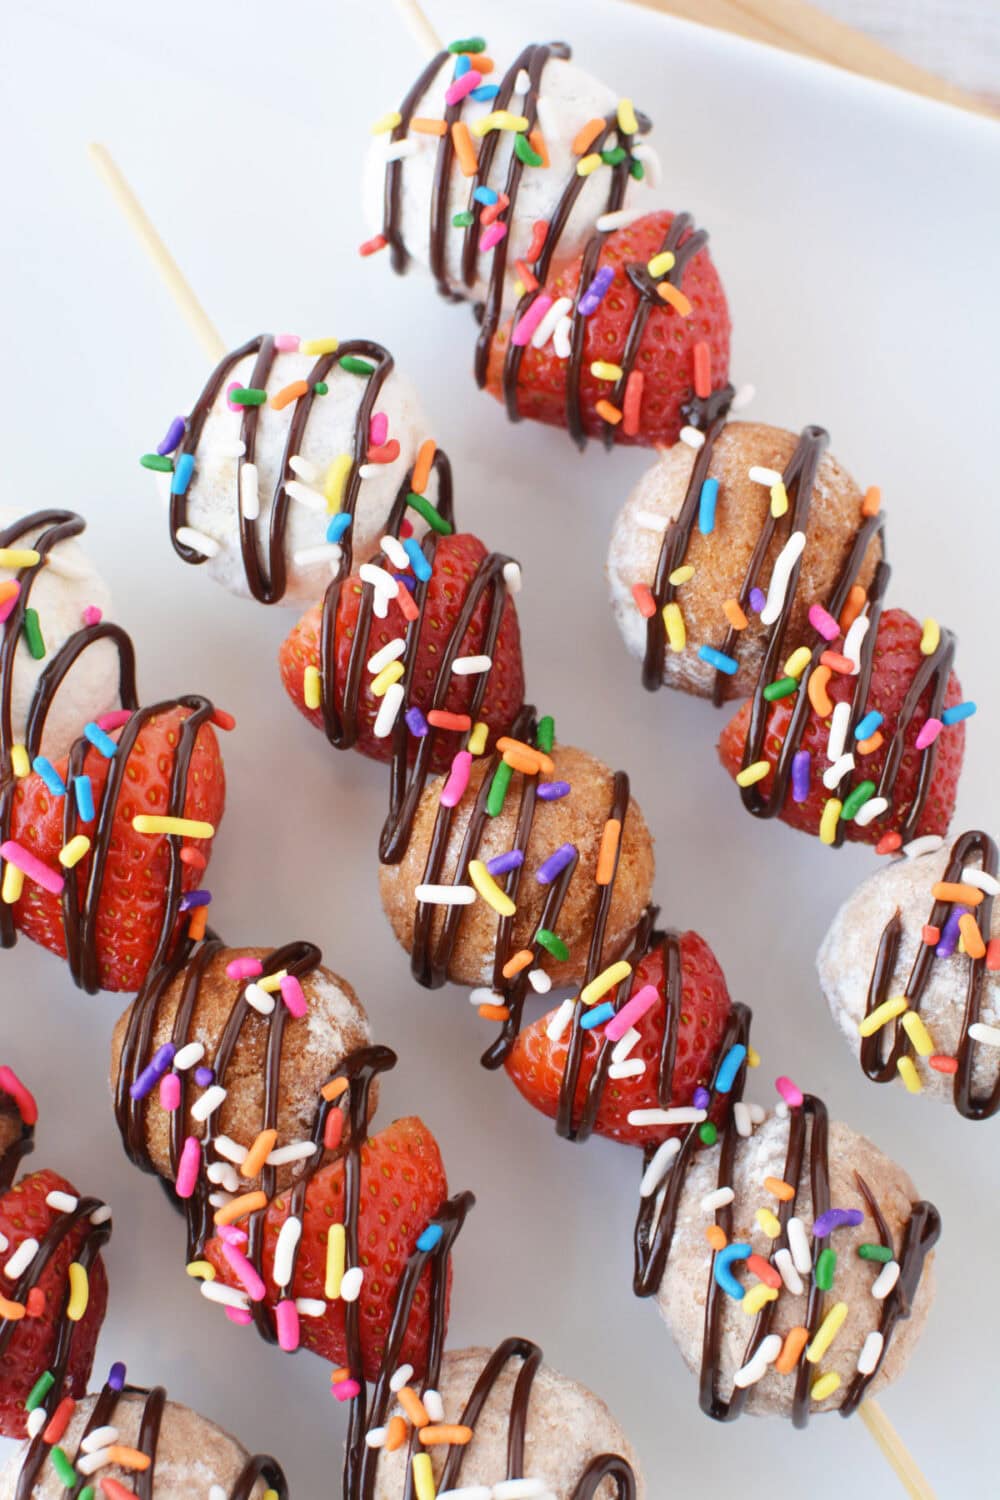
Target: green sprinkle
{"points": [[86, 1494], [64, 1468], [355, 366], [40, 1390], [321, 388], [638, 170], [707, 1133], [247, 396], [158, 461], [498, 789], [857, 799], [33, 634], [826, 1265], [613, 157], [524, 151], [545, 734], [468, 44], [465, 218], [424, 508], [783, 688], [881, 1253], [552, 944]]}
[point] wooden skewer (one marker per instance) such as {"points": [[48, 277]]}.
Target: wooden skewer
{"points": [[421, 30], [894, 1450], [187, 303]]}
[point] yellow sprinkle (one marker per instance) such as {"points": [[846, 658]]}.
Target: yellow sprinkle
{"points": [[72, 853], [753, 1057], [882, 1015], [79, 1292], [500, 119], [918, 1033], [423, 1477], [271, 983], [769, 1222], [611, 976], [825, 1386], [757, 1297], [13, 885], [602, 370], [387, 122], [752, 773], [319, 346], [798, 661], [961, 943], [192, 828], [681, 575], [388, 675], [476, 742], [931, 638], [201, 1270], [779, 499], [908, 1073], [676, 629], [312, 687], [828, 822], [336, 478], [588, 164], [24, 557], [487, 887], [271, 1495], [627, 121], [20, 761], [661, 264], [826, 1332], [336, 1251], [519, 288]]}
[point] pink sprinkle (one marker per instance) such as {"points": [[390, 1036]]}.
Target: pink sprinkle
{"points": [[929, 731], [346, 1390], [293, 996], [238, 1315], [114, 720], [456, 92], [234, 385], [22, 1097], [8, 604], [232, 1234], [245, 1272], [244, 968], [491, 237], [170, 1091], [458, 780], [285, 343], [633, 1010], [788, 1091], [821, 619], [92, 615], [529, 321], [286, 1317], [405, 529], [42, 874], [190, 1165], [378, 429]]}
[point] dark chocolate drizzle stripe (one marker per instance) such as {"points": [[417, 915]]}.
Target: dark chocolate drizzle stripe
{"points": [[264, 561], [881, 1052], [259, 1466]]}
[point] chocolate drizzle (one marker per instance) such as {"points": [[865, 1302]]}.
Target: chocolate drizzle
{"points": [[880, 1053]]}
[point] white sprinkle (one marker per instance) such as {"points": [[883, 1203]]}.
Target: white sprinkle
{"points": [[872, 809], [216, 1493], [400, 1378], [98, 1458], [686, 1115], [284, 1251], [433, 1405], [562, 338], [658, 1167], [780, 574], [101, 1215], [234, 449], [540, 982], [520, 1489], [468, 1492], [188, 1055], [304, 469], [101, 1437], [227, 1296], [351, 1284], [485, 996], [928, 844], [4, 1242], [618, 219], [839, 724], [209, 1102], [718, 1199], [396, 150], [787, 1271], [980, 1032], [871, 1353], [390, 652], [230, 1149], [21, 1259], [621, 1050], [471, 666], [388, 710], [648, 155], [741, 1119], [446, 895], [371, 471], [756, 1367], [798, 1244], [633, 1068], [512, 577], [259, 999], [547, 327], [561, 1021], [744, 396], [37, 1419], [330, 552], [650, 521], [63, 1203], [310, 1307], [305, 495], [692, 437], [781, 1110], [375, 1438], [249, 492], [381, 581], [758, 1114], [395, 552], [197, 541], [833, 775], [281, 1156], [221, 1174], [972, 875], [769, 477], [853, 640], [885, 1280]]}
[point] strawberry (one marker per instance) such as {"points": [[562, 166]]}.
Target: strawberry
{"points": [[24, 1214], [537, 1064], [665, 356], [131, 904], [403, 1185], [456, 560], [895, 660]]}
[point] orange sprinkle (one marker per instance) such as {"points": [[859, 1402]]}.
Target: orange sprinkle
{"points": [[115, 1491], [872, 743], [954, 890], [520, 961], [993, 955], [128, 1458], [608, 852], [780, 1188], [716, 1237], [505, 744], [413, 1406], [527, 278], [198, 923], [341, 1373], [253, 1162], [610, 413], [889, 843], [239, 1208], [763, 1271], [422, 466], [465, 151], [288, 394], [34, 1304], [796, 1340], [439, 718], [734, 614], [396, 1435], [872, 503], [536, 141], [644, 601], [853, 606], [334, 1089], [941, 1063], [480, 62], [444, 1433], [492, 211], [523, 761], [632, 402], [59, 1421], [969, 928], [702, 369], [675, 297], [539, 234], [424, 126], [408, 606], [587, 135], [931, 935], [333, 1133], [837, 662], [11, 1311], [494, 1012], [818, 695]]}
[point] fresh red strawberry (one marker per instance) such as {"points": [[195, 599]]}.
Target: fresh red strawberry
{"points": [[403, 1185], [456, 560], [537, 1065], [136, 872], [24, 1214], [896, 658], [666, 353]]}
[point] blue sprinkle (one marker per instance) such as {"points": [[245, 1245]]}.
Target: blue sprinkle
{"points": [[116, 1376], [416, 723], [485, 91], [153, 1071], [44, 768], [867, 726], [191, 899], [719, 660], [598, 1015], [724, 1278], [418, 561], [462, 65], [183, 470], [757, 599], [555, 864], [959, 712], [504, 863], [100, 741], [706, 506], [431, 1236], [174, 434], [339, 525], [836, 1218], [702, 1098], [204, 1076], [729, 1067], [84, 793], [486, 195], [552, 791]]}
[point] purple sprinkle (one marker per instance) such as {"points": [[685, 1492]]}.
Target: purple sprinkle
{"points": [[504, 863], [950, 933], [836, 1218], [702, 1098], [551, 791], [195, 898], [416, 723], [406, 580], [204, 1076], [116, 1376], [594, 295], [174, 434], [757, 599], [153, 1072], [801, 761], [555, 864]]}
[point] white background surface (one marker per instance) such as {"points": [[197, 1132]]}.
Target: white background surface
{"points": [[854, 228]]}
